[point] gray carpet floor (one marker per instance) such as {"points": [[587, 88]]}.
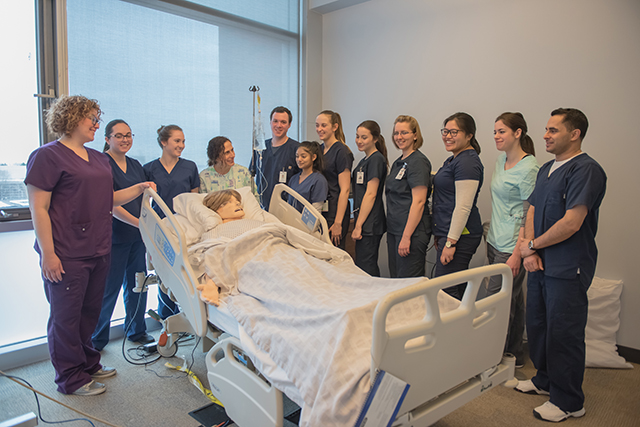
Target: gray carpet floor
{"points": [[155, 395]]}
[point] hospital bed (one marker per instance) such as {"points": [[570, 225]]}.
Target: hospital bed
{"points": [[447, 359]]}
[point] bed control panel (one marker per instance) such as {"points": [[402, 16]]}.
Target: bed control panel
{"points": [[164, 246]]}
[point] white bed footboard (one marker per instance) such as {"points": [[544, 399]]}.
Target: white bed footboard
{"points": [[168, 251], [443, 350]]}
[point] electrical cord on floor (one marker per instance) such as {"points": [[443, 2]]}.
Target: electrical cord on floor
{"points": [[140, 349], [26, 385]]}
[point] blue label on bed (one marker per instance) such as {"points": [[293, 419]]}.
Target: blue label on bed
{"points": [[309, 219], [165, 247]]}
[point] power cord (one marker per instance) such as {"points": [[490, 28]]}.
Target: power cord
{"points": [[139, 349], [26, 385]]}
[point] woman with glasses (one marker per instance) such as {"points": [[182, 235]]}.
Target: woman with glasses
{"points": [[338, 160], [511, 185], [127, 248], [223, 172], [71, 198], [407, 189], [367, 183], [173, 175], [456, 220]]}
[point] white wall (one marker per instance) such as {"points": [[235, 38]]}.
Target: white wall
{"points": [[432, 58]]}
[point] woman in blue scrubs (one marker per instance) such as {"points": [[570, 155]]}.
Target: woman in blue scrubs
{"points": [[309, 182], [456, 220], [173, 175], [338, 160], [127, 248], [407, 188], [511, 185], [367, 182]]}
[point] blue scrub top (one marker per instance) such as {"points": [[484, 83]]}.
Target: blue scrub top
{"points": [[580, 181], [123, 232], [313, 189], [417, 172], [338, 159], [182, 179], [465, 166], [272, 162], [374, 166], [81, 199]]}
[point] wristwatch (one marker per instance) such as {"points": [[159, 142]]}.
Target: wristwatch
{"points": [[531, 245], [449, 244]]}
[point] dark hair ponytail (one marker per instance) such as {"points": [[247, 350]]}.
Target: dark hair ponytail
{"points": [[107, 131], [313, 148], [466, 123], [376, 134], [164, 133], [515, 121]]}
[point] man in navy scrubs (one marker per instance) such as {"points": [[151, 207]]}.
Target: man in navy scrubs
{"points": [[277, 163], [560, 253]]}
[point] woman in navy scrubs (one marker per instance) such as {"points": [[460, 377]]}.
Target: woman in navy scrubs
{"points": [[338, 160], [407, 188], [71, 198], [367, 183], [456, 220], [173, 175], [309, 182], [127, 248]]}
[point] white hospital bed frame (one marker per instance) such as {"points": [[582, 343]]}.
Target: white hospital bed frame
{"points": [[448, 359]]}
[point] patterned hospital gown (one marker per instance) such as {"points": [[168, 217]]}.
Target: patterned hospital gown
{"points": [[237, 177]]}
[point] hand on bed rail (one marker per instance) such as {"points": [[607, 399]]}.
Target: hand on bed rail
{"points": [[209, 292]]}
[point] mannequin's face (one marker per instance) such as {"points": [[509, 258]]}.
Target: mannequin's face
{"points": [[231, 210]]}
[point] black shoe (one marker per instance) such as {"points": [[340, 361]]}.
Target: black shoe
{"points": [[144, 339]]}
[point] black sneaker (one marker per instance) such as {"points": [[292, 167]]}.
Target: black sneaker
{"points": [[144, 339]]}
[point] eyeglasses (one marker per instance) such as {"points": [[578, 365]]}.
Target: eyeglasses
{"points": [[120, 136], [94, 120], [403, 133], [452, 132]]}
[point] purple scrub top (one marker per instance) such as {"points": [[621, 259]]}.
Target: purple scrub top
{"points": [[81, 199]]}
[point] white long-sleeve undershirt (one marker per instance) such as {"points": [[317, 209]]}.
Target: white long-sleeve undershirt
{"points": [[465, 194]]}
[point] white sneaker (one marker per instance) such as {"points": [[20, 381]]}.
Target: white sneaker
{"points": [[550, 412], [529, 387], [90, 389]]}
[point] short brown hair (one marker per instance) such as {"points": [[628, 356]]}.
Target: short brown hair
{"points": [[415, 128], [68, 111], [217, 199]]}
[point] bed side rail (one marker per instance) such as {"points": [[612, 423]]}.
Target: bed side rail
{"points": [[442, 351], [310, 220], [168, 250]]}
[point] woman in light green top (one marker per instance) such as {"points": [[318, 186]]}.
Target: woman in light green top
{"points": [[511, 185], [223, 172]]}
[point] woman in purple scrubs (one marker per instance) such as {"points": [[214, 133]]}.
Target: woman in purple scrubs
{"points": [[71, 198]]}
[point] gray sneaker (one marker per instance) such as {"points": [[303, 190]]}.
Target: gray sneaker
{"points": [[91, 389], [104, 372]]}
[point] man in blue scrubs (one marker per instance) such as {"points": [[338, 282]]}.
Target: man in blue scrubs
{"points": [[560, 253], [277, 163]]}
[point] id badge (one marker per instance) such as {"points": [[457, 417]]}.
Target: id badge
{"points": [[400, 173], [325, 206], [283, 177], [359, 177]]}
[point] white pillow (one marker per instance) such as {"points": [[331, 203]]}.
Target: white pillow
{"points": [[204, 219], [602, 325]]}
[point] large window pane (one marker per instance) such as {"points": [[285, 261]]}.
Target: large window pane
{"points": [[19, 108], [278, 13]]}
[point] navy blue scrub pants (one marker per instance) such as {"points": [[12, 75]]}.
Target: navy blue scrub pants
{"points": [[465, 249], [413, 264], [75, 304], [126, 260], [346, 220], [556, 318], [367, 250]]}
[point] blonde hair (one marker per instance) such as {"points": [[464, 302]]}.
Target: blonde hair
{"points": [[68, 111], [217, 199], [415, 128]]}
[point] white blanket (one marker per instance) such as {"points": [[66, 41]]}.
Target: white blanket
{"points": [[310, 308]]}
